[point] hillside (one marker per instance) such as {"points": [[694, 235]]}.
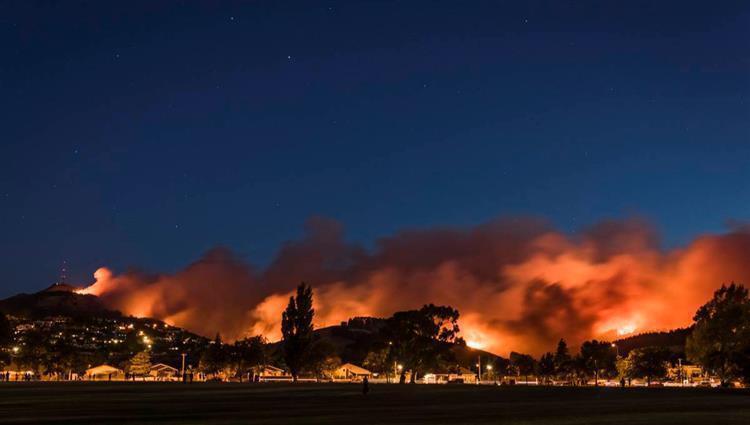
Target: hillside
{"points": [[59, 317], [57, 300], [352, 340], [674, 340]]}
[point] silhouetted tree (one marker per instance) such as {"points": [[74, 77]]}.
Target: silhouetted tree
{"points": [[598, 358], [579, 371], [421, 339], [248, 354], [648, 362], [562, 360], [214, 358], [33, 352], [524, 364], [297, 329], [60, 359], [376, 361], [547, 367], [720, 341], [322, 360]]}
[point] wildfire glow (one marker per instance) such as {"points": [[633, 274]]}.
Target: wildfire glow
{"points": [[518, 283], [475, 344], [625, 330]]}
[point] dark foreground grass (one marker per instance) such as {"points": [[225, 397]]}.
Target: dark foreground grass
{"points": [[200, 403]]}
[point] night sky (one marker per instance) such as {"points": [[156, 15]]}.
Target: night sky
{"points": [[145, 133]]}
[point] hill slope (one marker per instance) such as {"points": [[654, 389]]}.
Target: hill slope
{"points": [[353, 340], [674, 340], [57, 300]]}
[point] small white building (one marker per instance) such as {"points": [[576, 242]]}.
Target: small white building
{"points": [[462, 375], [351, 372], [271, 373], [104, 373], [164, 372]]}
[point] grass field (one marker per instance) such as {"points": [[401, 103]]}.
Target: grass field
{"points": [[203, 403]]}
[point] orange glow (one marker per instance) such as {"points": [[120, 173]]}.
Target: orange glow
{"points": [[519, 284], [475, 344], [625, 330]]}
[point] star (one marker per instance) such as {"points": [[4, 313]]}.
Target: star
{"points": [[231, 18]]}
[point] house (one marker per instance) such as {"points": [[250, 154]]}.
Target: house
{"points": [[461, 375], [163, 372], [271, 373], [351, 372], [268, 370], [104, 373], [690, 374]]}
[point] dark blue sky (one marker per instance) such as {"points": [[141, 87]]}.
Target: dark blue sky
{"points": [[144, 133]]}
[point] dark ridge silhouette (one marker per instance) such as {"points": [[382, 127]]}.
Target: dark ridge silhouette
{"points": [[673, 340], [56, 300]]}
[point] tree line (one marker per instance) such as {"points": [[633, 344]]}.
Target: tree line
{"points": [[411, 343]]}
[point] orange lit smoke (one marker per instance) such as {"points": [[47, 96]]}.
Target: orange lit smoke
{"points": [[519, 284]]}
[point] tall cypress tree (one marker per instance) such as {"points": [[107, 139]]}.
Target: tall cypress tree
{"points": [[297, 329]]}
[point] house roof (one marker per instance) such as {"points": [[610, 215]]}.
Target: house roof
{"points": [[272, 368], [163, 367], [104, 369], [352, 368]]}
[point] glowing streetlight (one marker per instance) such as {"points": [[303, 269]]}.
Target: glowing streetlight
{"points": [[16, 349]]}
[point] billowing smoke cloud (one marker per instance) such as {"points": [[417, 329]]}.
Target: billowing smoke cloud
{"points": [[518, 283]]}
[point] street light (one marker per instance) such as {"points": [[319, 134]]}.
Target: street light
{"points": [[617, 349], [479, 370], [182, 371]]}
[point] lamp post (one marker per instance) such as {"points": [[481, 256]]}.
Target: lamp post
{"points": [[182, 370], [479, 370], [489, 370], [617, 349]]}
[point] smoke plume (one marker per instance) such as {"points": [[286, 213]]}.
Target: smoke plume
{"points": [[518, 283]]}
